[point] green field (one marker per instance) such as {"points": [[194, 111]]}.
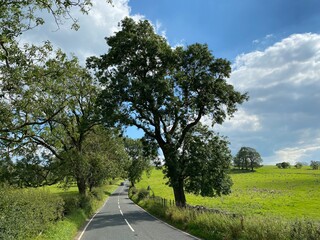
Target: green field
{"points": [[288, 193]]}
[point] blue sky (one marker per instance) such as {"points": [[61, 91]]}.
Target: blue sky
{"points": [[274, 47]]}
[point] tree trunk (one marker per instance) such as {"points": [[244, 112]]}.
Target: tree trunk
{"points": [[179, 195], [81, 183], [174, 173]]}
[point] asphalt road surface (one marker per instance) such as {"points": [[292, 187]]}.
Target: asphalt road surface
{"points": [[121, 219]]}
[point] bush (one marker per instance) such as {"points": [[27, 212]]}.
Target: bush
{"points": [[298, 165], [71, 203], [142, 194], [138, 195], [315, 165], [25, 213], [97, 193], [283, 165]]}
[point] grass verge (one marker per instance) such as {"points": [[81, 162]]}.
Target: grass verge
{"points": [[208, 225]]}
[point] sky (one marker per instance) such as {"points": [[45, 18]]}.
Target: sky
{"points": [[274, 48]]}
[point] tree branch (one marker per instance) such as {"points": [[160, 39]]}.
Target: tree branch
{"points": [[190, 125]]}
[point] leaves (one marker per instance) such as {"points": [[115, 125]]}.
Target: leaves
{"points": [[165, 92]]}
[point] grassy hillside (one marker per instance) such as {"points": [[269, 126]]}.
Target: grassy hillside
{"points": [[289, 193]]}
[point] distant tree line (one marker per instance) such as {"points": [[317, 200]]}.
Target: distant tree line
{"points": [[313, 164]]}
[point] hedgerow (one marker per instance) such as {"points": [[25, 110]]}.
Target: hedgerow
{"points": [[26, 213]]}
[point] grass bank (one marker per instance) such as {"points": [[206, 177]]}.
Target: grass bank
{"points": [[78, 211], [207, 225]]}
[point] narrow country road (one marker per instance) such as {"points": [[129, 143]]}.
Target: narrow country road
{"points": [[121, 219]]}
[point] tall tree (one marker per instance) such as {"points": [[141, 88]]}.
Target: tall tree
{"points": [[248, 157], [163, 91], [105, 156], [46, 99], [139, 160], [20, 65]]}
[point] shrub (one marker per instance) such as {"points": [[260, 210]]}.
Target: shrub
{"points": [[283, 165], [315, 165], [25, 213], [71, 203], [142, 194], [97, 193], [298, 165]]}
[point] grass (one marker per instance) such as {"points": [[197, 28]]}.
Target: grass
{"points": [[68, 228], [208, 225], [270, 192]]}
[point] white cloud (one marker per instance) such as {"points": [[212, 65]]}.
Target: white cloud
{"points": [[283, 82], [294, 154], [102, 21], [242, 121]]}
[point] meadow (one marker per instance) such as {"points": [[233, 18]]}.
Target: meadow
{"points": [[287, 193]]}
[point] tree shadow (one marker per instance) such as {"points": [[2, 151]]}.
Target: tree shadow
{"points": [[241, 171]]}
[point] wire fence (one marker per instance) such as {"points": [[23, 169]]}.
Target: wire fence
{"points": [[163, 201], [200, 209]]}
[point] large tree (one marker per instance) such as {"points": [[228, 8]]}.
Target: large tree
{"points": [[20, 65], [162, 90], [247, 157]]}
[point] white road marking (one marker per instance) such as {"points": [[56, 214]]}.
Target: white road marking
{"points": [[121, 212], [129, 225], [85, 228]]}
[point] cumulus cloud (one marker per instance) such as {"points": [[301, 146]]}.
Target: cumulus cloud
{"points": [[283, 82], [102, 21]]}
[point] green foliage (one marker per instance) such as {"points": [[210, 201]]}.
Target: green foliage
{"points": [[315, 165], [26, 213], [18, 16], [162, 90], [75, 219], [247, 158], [47, 101], [283, 165], [142, 194], [206, 158], [298, 165], [139, 159]]}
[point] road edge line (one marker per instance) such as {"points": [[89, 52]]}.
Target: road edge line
{"points": [[85, 228]]}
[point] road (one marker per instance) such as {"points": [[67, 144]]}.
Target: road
{"points": [[121, 219]]}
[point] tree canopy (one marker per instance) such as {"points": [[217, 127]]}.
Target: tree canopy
{"points": [[47, 104], [247, 158], [162, 90]]}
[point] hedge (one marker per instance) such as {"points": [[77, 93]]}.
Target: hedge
{"points": [[25, 213]]}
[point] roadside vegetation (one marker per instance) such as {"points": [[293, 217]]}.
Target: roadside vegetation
{"points": [[62, 123], [48, 213], [270, 203]]}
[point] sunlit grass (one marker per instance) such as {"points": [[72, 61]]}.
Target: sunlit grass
{"points": [[289, 193]]}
